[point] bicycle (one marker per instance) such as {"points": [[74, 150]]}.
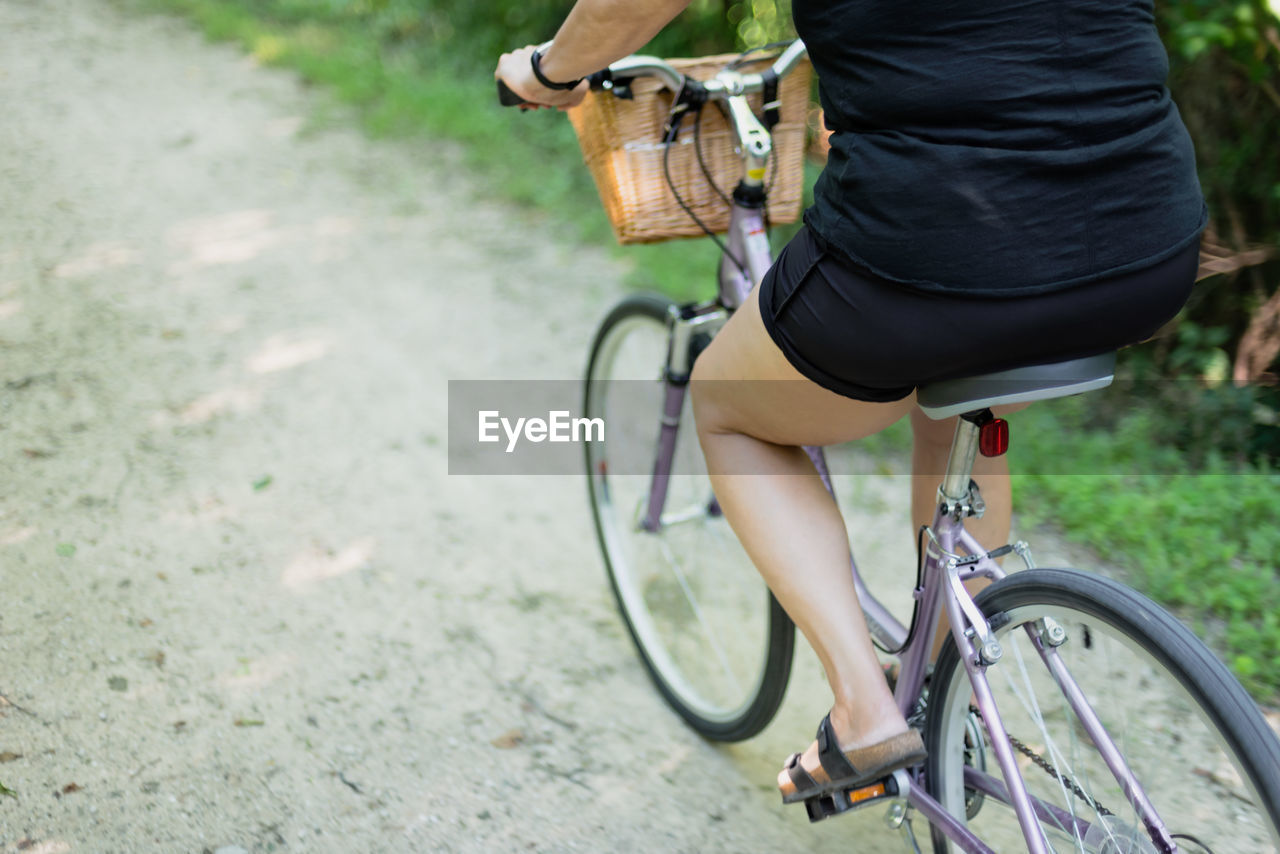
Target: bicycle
{"points": [[1105, 726]]}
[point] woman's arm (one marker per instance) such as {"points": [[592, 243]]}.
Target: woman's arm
{"points": [[596, 33]]}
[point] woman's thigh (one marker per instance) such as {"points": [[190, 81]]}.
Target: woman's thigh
{"points": [[742, 383]]}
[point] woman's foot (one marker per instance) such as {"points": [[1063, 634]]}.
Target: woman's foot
{"points": [[867, 755]]}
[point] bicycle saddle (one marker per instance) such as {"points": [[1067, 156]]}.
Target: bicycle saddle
{"points": [[1018, 385]]}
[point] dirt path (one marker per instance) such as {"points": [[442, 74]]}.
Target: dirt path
{"points": [[244, 606]]}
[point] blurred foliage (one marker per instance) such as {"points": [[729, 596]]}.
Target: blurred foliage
{"points": [[1189, 405], [1225, 75], [486, 29]]}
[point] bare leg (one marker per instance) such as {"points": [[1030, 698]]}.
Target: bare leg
{"points": [[753, 411]]}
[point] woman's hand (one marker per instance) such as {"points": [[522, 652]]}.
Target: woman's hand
{"points": [[516, 70], [596, 33]]}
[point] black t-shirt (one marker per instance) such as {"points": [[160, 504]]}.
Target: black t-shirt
{"points": [[997, 148]]}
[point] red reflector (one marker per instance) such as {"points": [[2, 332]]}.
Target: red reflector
{"points": [[993, 438]]}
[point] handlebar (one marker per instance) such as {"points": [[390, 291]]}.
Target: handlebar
{"points": [[718, 88], [508, 98]]}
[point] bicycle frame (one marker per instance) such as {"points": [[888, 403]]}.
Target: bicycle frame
{"points": [[952, 557]]}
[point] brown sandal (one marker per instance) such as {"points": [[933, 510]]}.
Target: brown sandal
{"points": [[855, 768]]}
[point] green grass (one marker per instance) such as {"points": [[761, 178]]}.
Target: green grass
{"points": [[1203, 544]]}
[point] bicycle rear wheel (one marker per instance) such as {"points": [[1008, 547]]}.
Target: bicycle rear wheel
{"points": [[715, 641], [1190, 733]]}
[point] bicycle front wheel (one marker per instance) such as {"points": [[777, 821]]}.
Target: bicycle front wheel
{"points": [[1192, 736], [716, 643]]}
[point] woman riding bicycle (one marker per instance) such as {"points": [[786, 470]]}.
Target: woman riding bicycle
{"points": [[1012, 173]]}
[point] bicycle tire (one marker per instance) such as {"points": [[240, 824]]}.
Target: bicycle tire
{"points": [[715, 642], [1192, 735]]}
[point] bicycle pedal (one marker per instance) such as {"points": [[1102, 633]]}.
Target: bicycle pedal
{"points": [[842, 801]]}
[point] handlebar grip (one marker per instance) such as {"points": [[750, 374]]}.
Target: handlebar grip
{"points": [[508, 98]]}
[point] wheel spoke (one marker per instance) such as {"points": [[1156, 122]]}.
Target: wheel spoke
{"points": [[1029, 705], [674, 565]]}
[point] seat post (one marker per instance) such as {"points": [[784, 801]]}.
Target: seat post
{"points": [[964, 450]]}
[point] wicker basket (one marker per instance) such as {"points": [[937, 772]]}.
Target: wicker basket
{"points": [[622, 144]]}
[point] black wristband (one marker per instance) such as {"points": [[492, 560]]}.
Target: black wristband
{"points": [[536, 61]]}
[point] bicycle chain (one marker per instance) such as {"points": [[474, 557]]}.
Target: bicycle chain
{"points": [[1048, 768], [921, 710]]}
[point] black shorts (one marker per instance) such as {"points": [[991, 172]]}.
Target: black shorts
{"points": [[871, 339]]}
